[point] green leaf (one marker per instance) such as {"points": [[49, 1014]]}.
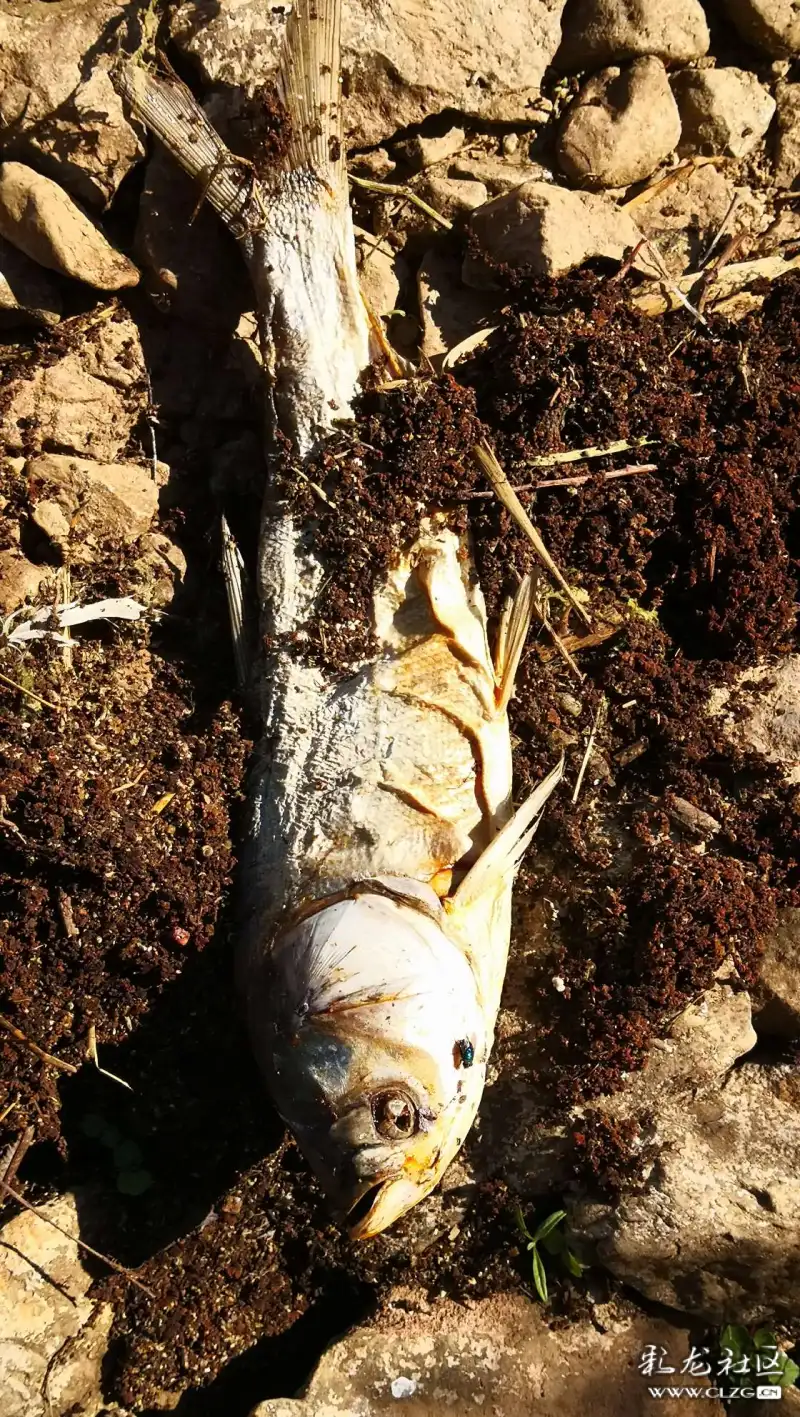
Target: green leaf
{"points": [[554, 1243], [573, 1263], [520, 1222], [790, 1373], [549, 1224], [540, 1277], [764, 1338], [736, 1339], [134, 1183]]}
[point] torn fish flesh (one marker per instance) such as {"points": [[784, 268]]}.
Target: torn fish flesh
{"points": [[382, 843]]}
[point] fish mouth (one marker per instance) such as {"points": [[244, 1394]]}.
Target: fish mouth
{"points": [[358, 1216]]}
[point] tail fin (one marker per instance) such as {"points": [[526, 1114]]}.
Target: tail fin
{"points": [[309, 83]]}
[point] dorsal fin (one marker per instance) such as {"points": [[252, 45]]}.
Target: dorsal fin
{"points": [[309, 83]]}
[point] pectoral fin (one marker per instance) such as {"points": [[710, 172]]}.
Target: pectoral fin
{"points": [[503, 855]]}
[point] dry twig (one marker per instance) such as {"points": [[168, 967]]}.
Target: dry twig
{"points": [[76, 1240], [19, 1037]]}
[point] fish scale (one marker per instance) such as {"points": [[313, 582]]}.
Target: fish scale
{"points": [[382, 842]]}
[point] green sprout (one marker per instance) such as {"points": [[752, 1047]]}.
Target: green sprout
{"points": [[553, 1241], [745, 1349]]}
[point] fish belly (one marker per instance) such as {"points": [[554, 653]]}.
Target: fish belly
{"points": [[402, 769]]}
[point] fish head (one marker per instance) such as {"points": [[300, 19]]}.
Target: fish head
{"points": [[374, 1041]]}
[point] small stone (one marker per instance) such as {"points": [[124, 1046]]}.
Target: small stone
{"points": [[496, 173], [550, 230], [87, 401], [20, 580], [27, 294], [603, 31], [692, 819], [421, 152], [776, 997], [376, 165], [378, 274], [622, 125], [450, 312], [451, 197], [771, 25], [59, 110], [724, 112], [684, 219], [38, 217], [96, 502], [787, 148]]}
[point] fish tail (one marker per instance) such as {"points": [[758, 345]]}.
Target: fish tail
{"points": [[309, 83]]}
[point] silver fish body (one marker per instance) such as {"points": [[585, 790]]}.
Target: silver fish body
{"points": [[382, 842]]}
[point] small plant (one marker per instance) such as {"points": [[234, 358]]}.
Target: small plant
{"points": [[548, 1235], [757, 1354]]}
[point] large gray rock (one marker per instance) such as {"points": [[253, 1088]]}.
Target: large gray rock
{"points": [[598, 32], [86, 402], [623, 123], [771, 25], [550, 229], [787, 147], [724, 112], [496, 1356], [714, 1228], [58, 107], [403, 62], [53, 1337], [40, 219], [27, 293]]}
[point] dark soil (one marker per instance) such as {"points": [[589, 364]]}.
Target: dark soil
{"points": [[691, 573]]}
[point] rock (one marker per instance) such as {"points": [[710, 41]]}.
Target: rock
{"points": [[58, 107], [40, 219], [496, 173], [771, 25], [622, 125], [724, 112], [27, 294], [86, 402], [715, 1228], [403, 62], [20, 580], [79, 503], [551, 230], [159, 570], [378, 274], [449, 311], [763, 713], [192, 268], [787, 147], [451, 197], [776, 998], [497, 1356], [600, 32], [684, 219], [53, 1337], [712, 1229], [420, 152]]}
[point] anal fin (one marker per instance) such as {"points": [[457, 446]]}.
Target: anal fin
{"points": [[503, 855], [511, 639]]}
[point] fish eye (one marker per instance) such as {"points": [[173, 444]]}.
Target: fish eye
{"points": [[394, 1114]]}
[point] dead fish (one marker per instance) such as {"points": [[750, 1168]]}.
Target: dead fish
{"points": [[382, 841]]}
